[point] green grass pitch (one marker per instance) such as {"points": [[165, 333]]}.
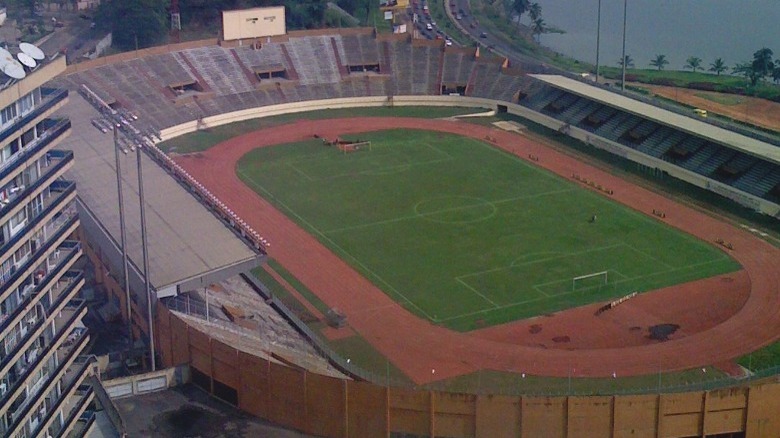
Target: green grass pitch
{"points": [[467, 235]]}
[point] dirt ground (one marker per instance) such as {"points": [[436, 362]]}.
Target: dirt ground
{"points": [[759, 112]]}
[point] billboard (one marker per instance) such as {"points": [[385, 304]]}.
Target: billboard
{"points": [[253, 23]]}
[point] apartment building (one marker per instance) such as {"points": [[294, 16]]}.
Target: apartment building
{"points": [[44, 377]]}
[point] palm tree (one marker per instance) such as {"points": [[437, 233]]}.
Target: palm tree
{"points": [[534, 11], [693, 63], [745, 69], [659, 62], [539, 27], [629, 62], [718, 66]]}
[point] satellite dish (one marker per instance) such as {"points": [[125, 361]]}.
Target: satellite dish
{"points": [[32, 51], [14, 69], [5, 58], [26, 60]]}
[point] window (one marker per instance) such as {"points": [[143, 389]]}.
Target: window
{"points": [[26, 103], [8, 114]]}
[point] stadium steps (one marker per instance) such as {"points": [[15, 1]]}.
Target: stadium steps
{"points": [[543, 98], [753, 180], [573, 114], [616, 126], [219, 69], [452, 64], [717, 159], [269, 55], [769, 182], [659, 149], [314, 60]]}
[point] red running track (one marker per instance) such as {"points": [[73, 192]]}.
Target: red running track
{"points": [[720, 318]]}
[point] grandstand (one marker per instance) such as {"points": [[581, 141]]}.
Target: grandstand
{"points": [[202, 82]]}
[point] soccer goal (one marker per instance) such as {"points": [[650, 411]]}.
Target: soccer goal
{"points": [[587, 281], [354, 147]]}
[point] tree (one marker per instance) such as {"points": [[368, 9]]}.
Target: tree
{"points": [[745, 69], [629, 62], [516, 7], [135, 23], [534, 11], [539, 27], [718, 66], [762, 63], [659, 62], [776, 72], [693, 62]]}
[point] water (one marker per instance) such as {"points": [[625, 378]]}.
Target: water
{"points": [[729, 29]]}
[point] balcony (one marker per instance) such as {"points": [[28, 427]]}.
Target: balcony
{"points": [[61, 293], [69, 342], [73, 399], [57, 161], [35, 147], [56, 230], [49, 98]]}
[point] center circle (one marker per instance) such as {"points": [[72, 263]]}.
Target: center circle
{"points": [[455, 209]]}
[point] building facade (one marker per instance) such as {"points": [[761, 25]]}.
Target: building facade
{"points": [[43, 375]]}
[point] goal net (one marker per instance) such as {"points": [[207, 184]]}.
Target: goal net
{"points": [[354, 147], [588, 281]]}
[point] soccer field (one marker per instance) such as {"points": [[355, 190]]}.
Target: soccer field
{"points": [[467, 235]]}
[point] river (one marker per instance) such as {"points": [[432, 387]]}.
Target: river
{"points": [[729, 29]]}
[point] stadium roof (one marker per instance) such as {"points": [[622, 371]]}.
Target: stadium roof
{"points": [[187, 244], [690, 125]]}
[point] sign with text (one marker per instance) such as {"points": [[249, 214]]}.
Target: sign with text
{"points": [[253, 23]]}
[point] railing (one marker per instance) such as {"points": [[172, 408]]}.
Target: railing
{"points": [[35, 257], [82, 337], [108, 407], [36, 146], [49, 98], [63, 159], [85, 397]]}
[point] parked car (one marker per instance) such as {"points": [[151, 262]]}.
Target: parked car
{"points": [[483, 35]]}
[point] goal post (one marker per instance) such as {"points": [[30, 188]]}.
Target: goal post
{"points": [[590, 279], [354, 147]]}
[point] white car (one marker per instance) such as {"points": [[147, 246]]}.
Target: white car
{"points": [[428, 26], [448, 42]]}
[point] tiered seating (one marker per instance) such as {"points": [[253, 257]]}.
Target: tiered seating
{"points": [[769, 182], [401, 57], [720, 156], [452, 65], [660, 141], [615, 126], [268, 56], [218, 68], [561, 104], [543, 98], [736, 166], [314, 60], [593, 121], [166, 70], [757, 180], [640, 131], [513, 85], [357, 49], [574, 113]]}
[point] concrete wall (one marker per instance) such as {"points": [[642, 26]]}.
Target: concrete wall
{"points": [[333, 407]]}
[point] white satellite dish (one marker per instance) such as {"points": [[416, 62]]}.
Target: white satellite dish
{"points": [[14, 69], [32, 51], [26, 60], [5, 57]]}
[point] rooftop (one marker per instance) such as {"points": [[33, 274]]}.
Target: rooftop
{"points": [[186, 242], [690, 125]]}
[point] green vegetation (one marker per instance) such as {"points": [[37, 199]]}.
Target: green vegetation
{"points": [[723, 99], [202, 140], [134, 23], [497, 382], [762, 359], [498, 239], [363, 355]]}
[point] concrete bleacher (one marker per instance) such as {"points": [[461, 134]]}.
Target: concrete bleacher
{"points": [[268, 56], [219, 69], [172, 88], [314, 59]]}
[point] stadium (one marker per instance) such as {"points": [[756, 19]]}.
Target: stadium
{"points": [[519, 260]]}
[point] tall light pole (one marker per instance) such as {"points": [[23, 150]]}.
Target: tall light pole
{"points": [[144, 246], [623, 80], [598, 40], [123, 233]]}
